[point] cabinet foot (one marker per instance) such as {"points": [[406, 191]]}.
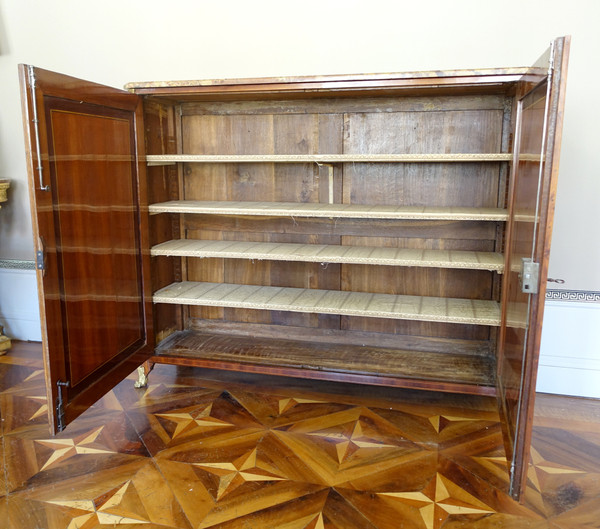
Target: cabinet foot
{"points": [[5, 344], [143, 372]]}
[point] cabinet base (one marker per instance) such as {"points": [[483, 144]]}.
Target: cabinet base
{"points": [[448, 372]]}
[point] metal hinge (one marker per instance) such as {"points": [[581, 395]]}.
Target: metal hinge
{"points": [[40, 260], [31, 75], [36, 130], [551, 61], [529, 276], [60, 407]]}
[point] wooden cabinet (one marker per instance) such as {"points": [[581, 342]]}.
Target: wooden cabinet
{"points": [[368, 228]]}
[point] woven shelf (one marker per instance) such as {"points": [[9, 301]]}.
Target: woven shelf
{"points": [[169, 159], [349, 211], [447, 310], [322, 253]]}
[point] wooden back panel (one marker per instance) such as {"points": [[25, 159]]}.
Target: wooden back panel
{"points": [[331, 126]]}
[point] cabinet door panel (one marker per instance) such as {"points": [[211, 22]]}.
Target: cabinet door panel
{"points": [[538, 132], [87, 209]]}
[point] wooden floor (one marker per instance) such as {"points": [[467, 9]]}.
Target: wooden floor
{"points": [[196, 450]]}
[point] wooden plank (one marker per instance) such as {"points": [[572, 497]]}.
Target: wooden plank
{"points": [[228, 135], [323, 253], [328, 158], [449, 310], [351, 211], [385, 366], [163, 185], [441, 345], [293, 134], [475, 184], [477, 235], [447, 185], [326, 106]]}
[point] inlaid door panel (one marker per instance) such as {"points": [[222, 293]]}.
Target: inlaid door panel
{"points": [[87, 204]]}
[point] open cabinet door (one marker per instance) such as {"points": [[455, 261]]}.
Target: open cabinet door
{"points": [[87, 188], [531, 207]]}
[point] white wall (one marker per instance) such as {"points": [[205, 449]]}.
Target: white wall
{"points": [[116, 41]]}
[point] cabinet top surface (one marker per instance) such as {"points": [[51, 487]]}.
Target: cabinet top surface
{"points": [[335, 83], [430, 74]]}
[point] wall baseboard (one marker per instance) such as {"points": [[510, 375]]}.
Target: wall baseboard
{"points": [[19, 310], [569, 357], [570, 349]]}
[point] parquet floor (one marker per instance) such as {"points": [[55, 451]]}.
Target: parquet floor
{"points": [[194, 450]]}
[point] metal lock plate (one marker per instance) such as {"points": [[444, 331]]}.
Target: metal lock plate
{"points": [[529, 276]]}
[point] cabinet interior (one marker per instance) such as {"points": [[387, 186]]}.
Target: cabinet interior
{"points": [[351, 236]]}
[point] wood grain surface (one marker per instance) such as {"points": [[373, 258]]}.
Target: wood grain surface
{"points": [[201, 449]]}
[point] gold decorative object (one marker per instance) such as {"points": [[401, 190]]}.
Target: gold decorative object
{"points": [[4, 185], [4, 342]]}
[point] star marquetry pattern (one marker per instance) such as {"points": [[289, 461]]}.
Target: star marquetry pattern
{"points": [[496, 465], [439, 422], [438, 500], [232, 475], [287, 404], [120, 506], [540, 470], [186, 421], [346, 444], [211, 454], [35, 374], [150, 391], [317, 523], [42, 410], [64, 449], [309, 522]]}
